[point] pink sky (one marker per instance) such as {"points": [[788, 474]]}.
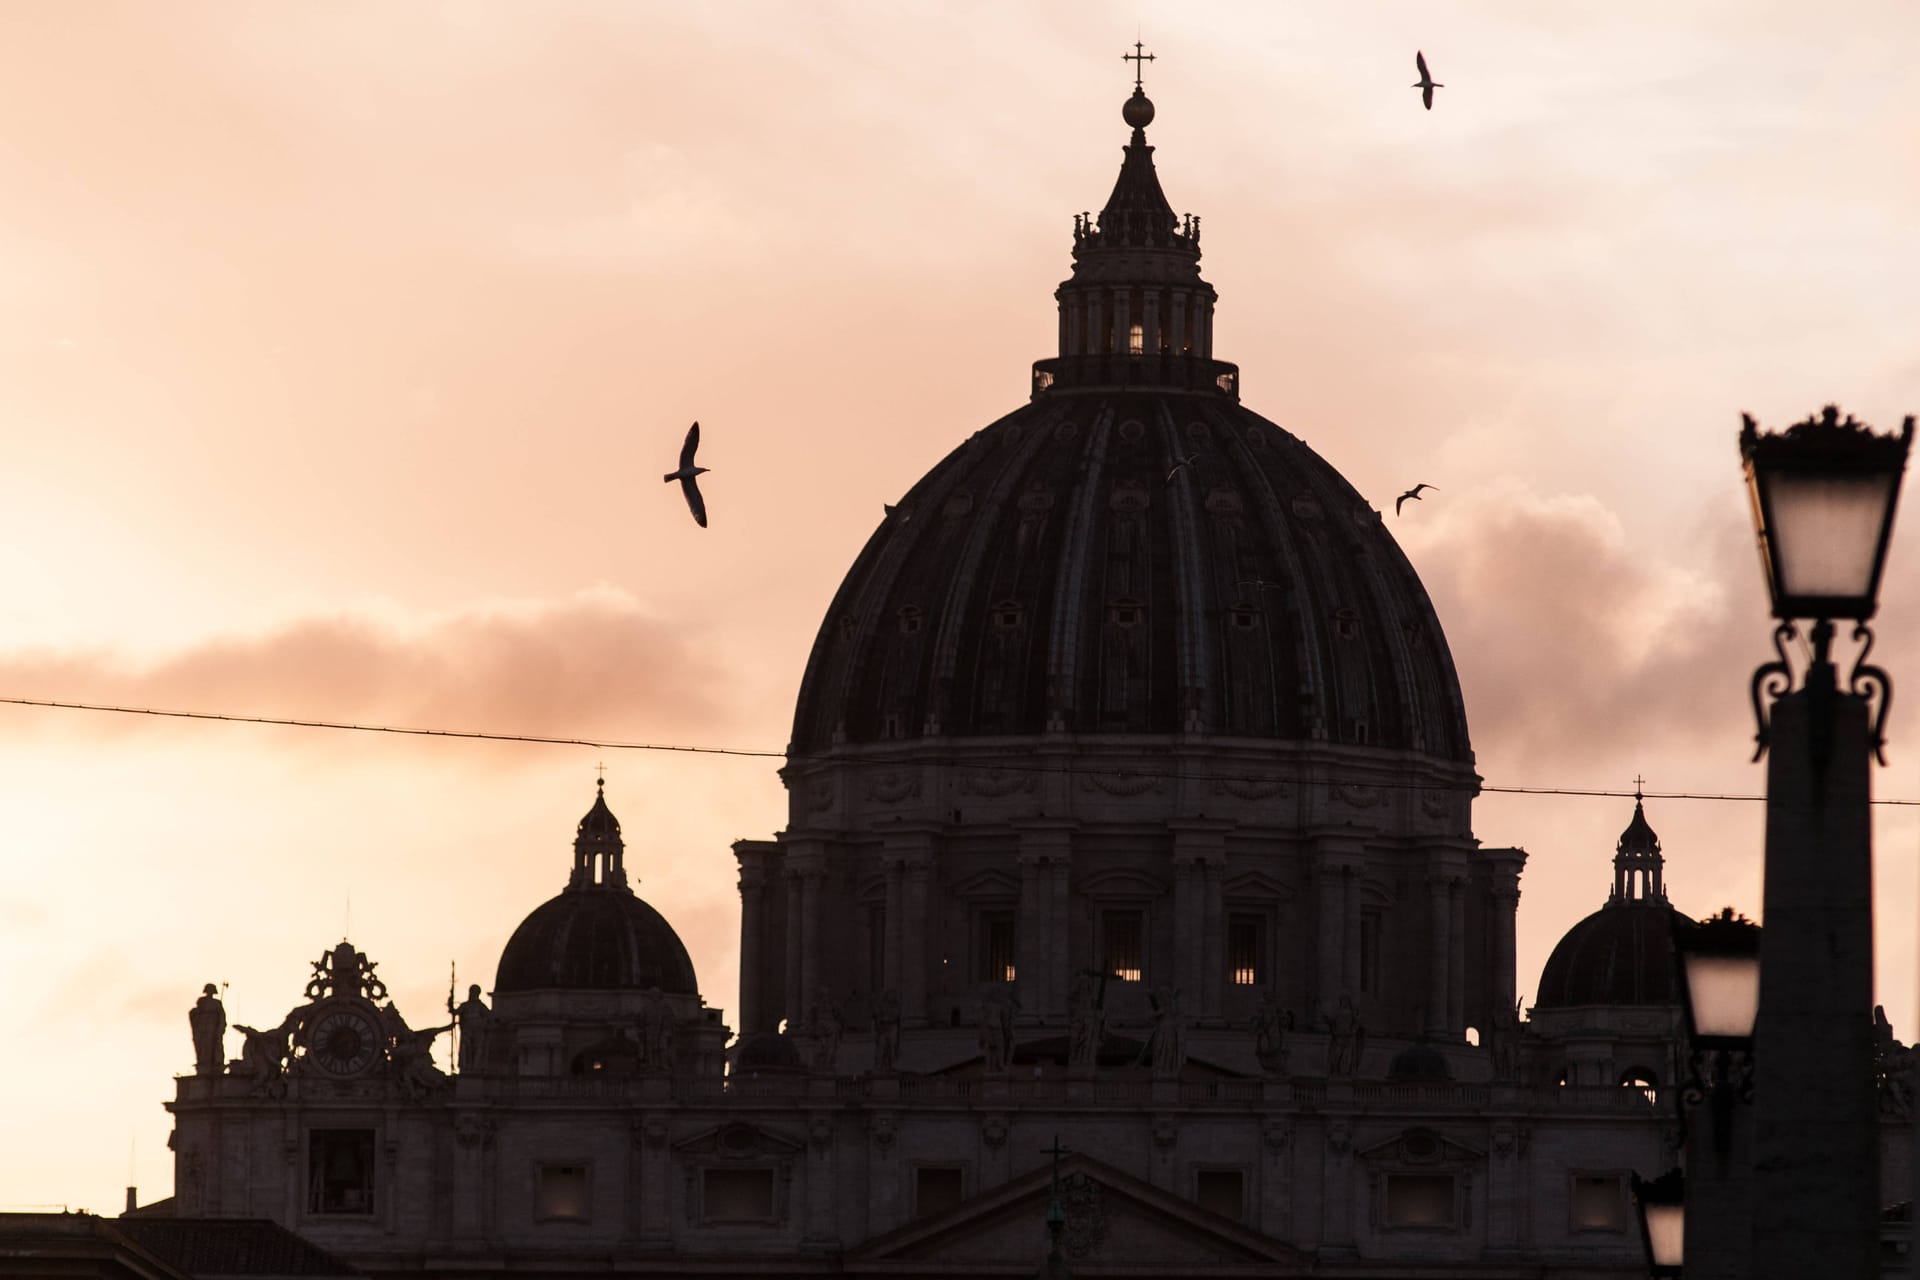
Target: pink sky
{"points": [[346, 344]]}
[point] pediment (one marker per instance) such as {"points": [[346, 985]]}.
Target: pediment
{"points": [[738, 1141], [1123, 882], [1111, 1218], [986, 884], [1256, 884], [1417, 1147]]}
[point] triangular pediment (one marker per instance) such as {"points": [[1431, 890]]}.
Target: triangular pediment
{"points": [[738, 1141], [986, 884], [1112, 1219], [1418, 1146]]}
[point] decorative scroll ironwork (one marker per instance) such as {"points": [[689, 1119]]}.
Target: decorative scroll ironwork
{"points": [[1771, 680], [1875, 686], [1721, 1078]]}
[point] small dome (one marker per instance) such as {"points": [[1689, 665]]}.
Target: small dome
{"points": [[1139, 110], [597, 938], [1622, 954], [767, 1051], [1419, 1062]]}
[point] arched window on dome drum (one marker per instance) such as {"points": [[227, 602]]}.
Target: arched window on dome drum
{"points": [[1644, 1080]]}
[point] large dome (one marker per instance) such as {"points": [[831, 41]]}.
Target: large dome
{"points": [[1133, 552], [1047, 575]]}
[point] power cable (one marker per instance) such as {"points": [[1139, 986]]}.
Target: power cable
{"points": [[1011, 766]]}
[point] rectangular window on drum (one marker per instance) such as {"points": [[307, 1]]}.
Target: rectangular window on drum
{"points": [[996, 946], [1122, 945], [1246, 949]]}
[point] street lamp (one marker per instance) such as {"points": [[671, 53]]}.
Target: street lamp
{"points": [[1720, 981], [1662, 1207], [1824, 493]]}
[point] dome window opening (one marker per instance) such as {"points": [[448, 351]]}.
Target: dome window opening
{"points": [[1008, 615], [1125, 611], [1642, 1079], [1244, 617], [996, 946], [1246, 949], [1121, 945], [912, 619], [1136, 340], [1346, 623]]}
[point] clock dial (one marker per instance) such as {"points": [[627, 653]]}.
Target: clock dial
{"points": [[343, 1042]]}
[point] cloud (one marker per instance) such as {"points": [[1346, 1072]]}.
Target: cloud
{"points": [[1574, 645], [592, 665]]}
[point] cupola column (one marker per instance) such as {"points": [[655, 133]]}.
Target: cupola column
{"points": [[1439, 951], [1337, 860], [912, 850], [1151, 321], [806, 878], [755, 1006], [1121, 328], [1179, 322], [1199, 854], [1046, 854]]}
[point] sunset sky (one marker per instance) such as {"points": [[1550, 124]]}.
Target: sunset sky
{"points": [[345, 344]]}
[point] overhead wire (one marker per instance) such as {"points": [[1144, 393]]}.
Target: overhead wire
{"points": [[1128, 771]]}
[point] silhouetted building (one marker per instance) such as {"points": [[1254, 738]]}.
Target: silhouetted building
{"points": [[1130, 794]]}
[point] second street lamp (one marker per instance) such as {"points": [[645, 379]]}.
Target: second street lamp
{"points": [[1824, 493]]}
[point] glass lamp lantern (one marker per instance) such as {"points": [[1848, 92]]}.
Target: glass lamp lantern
{"points": [[1719, 961], [1824, 493], [1662, 1206]]}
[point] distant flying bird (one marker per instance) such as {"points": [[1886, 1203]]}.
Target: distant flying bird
{"points": [[689, 486], [1413, 493], [1427, 84], [1181, 462]]}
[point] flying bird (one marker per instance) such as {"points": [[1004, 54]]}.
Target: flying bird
{"points": [[1181, 462], [689, 486], [1427, 83], [1413, 493]]}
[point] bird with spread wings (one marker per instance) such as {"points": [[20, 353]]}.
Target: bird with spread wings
{"points": [[688, 475], [1413, 493], [1426, 84]]}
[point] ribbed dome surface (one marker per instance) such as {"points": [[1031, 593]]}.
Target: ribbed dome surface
{"points": [[1622, 954], [595, 938], [1048, 575]]}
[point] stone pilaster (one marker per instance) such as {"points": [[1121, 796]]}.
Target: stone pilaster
{"points": [[911, 848], [1045, 976]]}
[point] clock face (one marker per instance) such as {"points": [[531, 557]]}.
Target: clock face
{"points": [[343, 1041]]}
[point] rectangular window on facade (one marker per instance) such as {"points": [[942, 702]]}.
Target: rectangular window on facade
{"points": [[1420, 1200], [1221, 1191], [340, 1171], [1122, 945], [737, 1195], [936, 1189], [996, 946], [1370, 952], [1599, 1203], [1246, 949], [560, 1193]]}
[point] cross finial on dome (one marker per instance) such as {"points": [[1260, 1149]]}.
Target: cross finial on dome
{"points": [[1139, 61]]}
